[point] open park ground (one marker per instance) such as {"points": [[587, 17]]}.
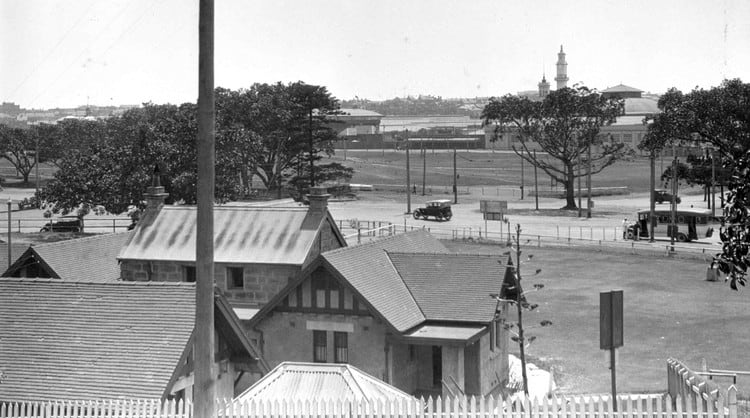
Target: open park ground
{"points": [[670, 309]]}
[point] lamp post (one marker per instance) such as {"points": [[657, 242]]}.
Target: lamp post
{"points": [[10, 260]]}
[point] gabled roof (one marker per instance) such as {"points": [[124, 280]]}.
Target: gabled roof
{"points": [[621, 88], [320, 381], [451, 287], [368, 269], [84, 340], [410, 280], [92, 258], [16, 249], [242, 234]]}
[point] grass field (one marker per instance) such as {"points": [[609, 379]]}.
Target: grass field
{"points": [[670, 311], [478, 168]]}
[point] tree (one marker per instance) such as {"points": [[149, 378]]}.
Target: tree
{"points": [[720, 118], [566, 125], [18, 146], [114, 171], [270, 130]]}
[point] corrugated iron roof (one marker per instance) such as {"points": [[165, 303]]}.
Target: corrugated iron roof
{"points": [[368, 269], [451, 287], [621, 88], [445, 332], [320, 381], [78, 340], [243, 234], [92, 258]]}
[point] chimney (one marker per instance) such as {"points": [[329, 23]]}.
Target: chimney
{"points": [[155, 195], [318, 198]]}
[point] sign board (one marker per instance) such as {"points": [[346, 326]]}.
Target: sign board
{"points": [[493, 206], [610, 319], [493, 216]]}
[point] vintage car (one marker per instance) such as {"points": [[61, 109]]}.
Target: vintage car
{"points": [[439, 209], [63, 224], [661, 196]]}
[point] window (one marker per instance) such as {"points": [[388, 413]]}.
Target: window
{"points": [[319, 291], [188, 274], [235, 277], [341, 347], [320, 346]]}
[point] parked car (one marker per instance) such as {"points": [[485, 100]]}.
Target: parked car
{"points": [[63, 224], [439, 209], [661, 196]]}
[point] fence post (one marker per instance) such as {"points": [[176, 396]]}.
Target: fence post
{"points": [[359, 236], [19, 229], [732, 401], [558, 232], [538, 241], [114, 229]]}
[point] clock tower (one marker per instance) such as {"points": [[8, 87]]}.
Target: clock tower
{"points": [[562, 70]]}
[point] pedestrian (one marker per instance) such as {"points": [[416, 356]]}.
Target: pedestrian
{"points": [[625, 228]]}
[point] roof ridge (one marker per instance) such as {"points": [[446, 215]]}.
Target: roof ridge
{"points": [[91, 282], [239, 206], [87, 238], [375, 241]]}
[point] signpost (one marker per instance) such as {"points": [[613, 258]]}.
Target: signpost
{"points": [[493, 210], [611, 330]]}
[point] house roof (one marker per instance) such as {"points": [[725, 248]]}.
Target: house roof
{"points": [[451, 287], [85, 340], [16, 249], [320, 381], [242, 234], [92, 258], [621, 88], [410, 280], [369, 270], [641, 106]]}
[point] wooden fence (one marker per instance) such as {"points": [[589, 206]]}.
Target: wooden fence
{"points": [[641, 406], [687, 384]]}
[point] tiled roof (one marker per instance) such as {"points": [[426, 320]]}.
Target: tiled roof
{"points": [[92, 258], [451, 287], [242, 234], [16, 251], [621, 88], [320, 381], [76, 340], [368, 269]]}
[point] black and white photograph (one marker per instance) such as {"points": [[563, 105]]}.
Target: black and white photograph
{"points": [[342, 208]]}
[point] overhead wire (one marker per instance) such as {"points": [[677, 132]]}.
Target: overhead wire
{"points": [[106, 27]]}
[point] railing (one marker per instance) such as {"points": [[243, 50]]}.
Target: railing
{"points": [[642, 406], [92, 224], [685, 383], [358, 231]]}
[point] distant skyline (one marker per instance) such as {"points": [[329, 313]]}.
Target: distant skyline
{"points": [[121, 52]]}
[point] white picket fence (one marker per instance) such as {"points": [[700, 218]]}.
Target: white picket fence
{"points": [[641, 406]]}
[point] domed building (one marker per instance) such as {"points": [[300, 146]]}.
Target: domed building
{"points": [[630, 128]]}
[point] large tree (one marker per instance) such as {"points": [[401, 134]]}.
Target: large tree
{"points": [[566, 126], [718, 117], [17, 146], [276, 131]]}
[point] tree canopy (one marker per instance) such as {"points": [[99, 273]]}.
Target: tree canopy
{"points": [[566, 125], [264, 131], [718, 118]]}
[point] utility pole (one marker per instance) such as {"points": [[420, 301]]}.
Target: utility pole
{"points": [[579, 180], [204, 387], [536, 185], [455, 178], [310, 134], [652, 201], [408, 179], [713, 183], [673, 221], [36, 165], [10, 226], [424, 169], [588, 181], [522, 170]]}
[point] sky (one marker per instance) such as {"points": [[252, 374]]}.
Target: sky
{"points": [[70, 53]]}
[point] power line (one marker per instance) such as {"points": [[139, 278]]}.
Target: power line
{"points": [[51, 51]]}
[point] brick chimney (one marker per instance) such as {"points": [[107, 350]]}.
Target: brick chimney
{"points": [[318, 198], [155, 195]]}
